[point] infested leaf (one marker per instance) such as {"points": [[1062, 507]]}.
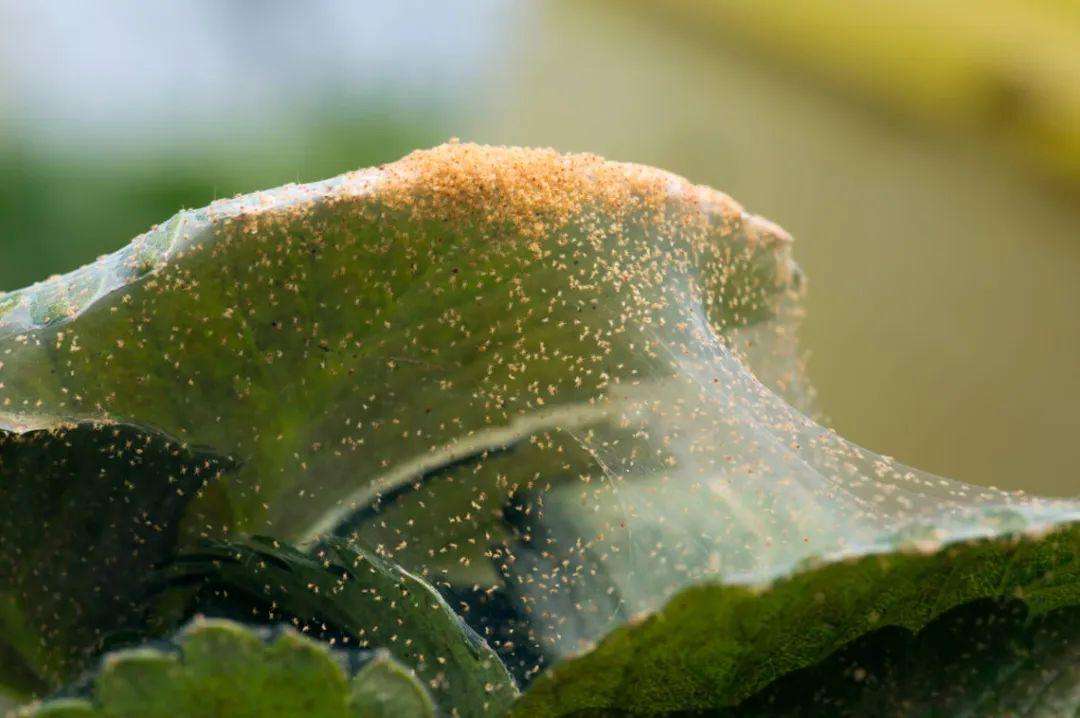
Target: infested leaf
{"points": [[335, 341], [564, 393], [89, 511], [984, 658], [356, 600], [716, 646]]}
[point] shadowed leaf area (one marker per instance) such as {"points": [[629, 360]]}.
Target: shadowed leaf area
{"points": [[985, 658], [350, 598], [105, 502]]}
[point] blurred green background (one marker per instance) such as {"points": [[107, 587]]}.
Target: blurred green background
{"points": [[926, 157]]}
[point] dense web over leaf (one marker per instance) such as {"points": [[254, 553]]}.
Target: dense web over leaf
{"points": [[558, 389]]}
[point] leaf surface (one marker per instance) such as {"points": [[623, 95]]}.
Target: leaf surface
{"points": [[715, 646], [219, 668]]}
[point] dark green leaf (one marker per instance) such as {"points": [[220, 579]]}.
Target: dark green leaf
{"points": [[354, 599], [87, 511], [982, 659], [715, 646]]}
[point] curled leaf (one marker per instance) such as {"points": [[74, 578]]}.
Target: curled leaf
{"points": [[354, 599]]}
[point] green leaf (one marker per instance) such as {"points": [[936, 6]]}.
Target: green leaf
{"points": [[322, 337], [220, 668], [715, 646], [984, 658], [89, 511], [383, 689], [303, 316], [358, 600]]}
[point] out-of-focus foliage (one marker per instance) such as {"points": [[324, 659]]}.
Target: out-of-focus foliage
{"points": [[384, 689], [219, 669], [59, 210], [1005, 68], [909, 235]]}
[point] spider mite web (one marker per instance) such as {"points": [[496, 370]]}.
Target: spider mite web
{"points": [[556, 388]]}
